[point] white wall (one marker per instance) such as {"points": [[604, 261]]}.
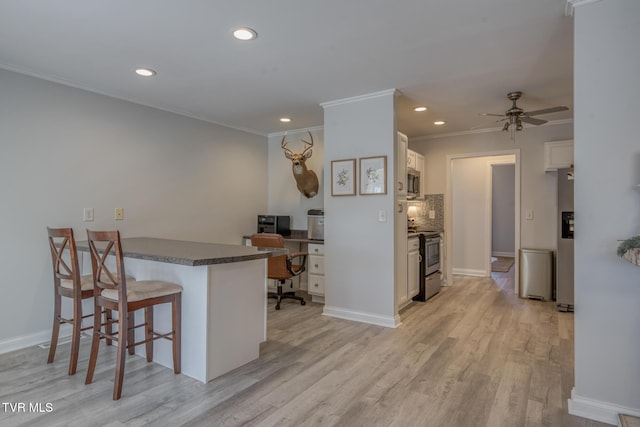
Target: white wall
{"points": [[359, 250], [469, 215], [471, 210], [607, 205], [538, 189], [284, 197], [503, 210], [64, 149]]}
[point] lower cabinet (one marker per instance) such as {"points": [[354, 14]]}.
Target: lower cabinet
{"points": [[413, 267], [315, 268], [412, 287]]}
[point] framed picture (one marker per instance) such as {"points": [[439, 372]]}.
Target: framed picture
{"points": [[373, 175], [343, 177]]}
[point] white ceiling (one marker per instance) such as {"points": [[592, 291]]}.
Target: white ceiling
{"points": [[459, 58]]}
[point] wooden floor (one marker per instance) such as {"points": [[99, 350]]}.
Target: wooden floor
{"points": [[474, 355]]}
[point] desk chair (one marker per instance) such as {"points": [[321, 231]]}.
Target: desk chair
{"points": [[68, 283], [281, 267], [115, 292]]}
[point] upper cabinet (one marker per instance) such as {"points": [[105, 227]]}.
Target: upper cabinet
{"points": [[402, 143], [411, 159], [416, 161], [558, 155]]}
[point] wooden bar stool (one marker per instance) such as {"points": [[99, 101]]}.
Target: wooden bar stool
{"points": [[113, 291], [67, 282]]}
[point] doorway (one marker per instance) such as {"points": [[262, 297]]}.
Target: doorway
{"points": [[468, 212], [502, 217]]}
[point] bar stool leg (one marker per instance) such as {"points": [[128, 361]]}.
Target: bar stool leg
{"points": [[123, 333], [131, 332], [75, 337], [95, 343], [148, 320], [108, 314], [56, 326], [176, 315]]}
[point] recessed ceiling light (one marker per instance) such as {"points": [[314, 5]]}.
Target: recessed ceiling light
{"points": [[420, 109], [145, 72], [439, 123], [285, 119], [245, 33]]}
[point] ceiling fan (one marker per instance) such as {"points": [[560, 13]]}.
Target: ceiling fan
{"points": [[515, 115]]}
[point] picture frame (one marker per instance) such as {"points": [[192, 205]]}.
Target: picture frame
{"points": [[373, 175], [343, 177]]}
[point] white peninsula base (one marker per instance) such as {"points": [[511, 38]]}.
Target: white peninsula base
{"points": [[224, 315]]}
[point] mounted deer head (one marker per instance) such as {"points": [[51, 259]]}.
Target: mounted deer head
{"points": [[306, 179]]}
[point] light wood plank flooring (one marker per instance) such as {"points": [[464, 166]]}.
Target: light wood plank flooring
{"points": [[474, 355]]}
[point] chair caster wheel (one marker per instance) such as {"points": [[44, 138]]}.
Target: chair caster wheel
{"points": [[303, 302]]}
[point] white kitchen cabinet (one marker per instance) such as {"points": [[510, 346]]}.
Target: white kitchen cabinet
{"points": [[407, 289], [315, 267], [413, 267], [400, 218], [411, 159], [420, 168], [400, 187], [558, 155]]}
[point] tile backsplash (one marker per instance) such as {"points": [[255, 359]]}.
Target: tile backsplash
{"points": [[431, 202]]}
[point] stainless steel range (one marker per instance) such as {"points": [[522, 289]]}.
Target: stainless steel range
{"points": [[429, 265]]}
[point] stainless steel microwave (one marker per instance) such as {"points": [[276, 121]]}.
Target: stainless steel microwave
{"points": [[413, 183]]}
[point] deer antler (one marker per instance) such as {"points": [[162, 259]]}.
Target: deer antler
{"points": [[309, 145], [284, 145]]}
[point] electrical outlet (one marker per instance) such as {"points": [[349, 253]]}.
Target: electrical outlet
{"points": [[88, 214], [118, 214], [432, 214]]}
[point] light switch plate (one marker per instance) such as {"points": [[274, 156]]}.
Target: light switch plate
{"points": [[432, 214], [118, 214], [529, 214], [87, 214], [382, 216]]}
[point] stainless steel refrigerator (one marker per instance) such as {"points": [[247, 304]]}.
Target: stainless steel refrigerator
{"points": [[564, 256]]}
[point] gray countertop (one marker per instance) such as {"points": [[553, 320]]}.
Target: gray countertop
{"points": [[188, 253]]}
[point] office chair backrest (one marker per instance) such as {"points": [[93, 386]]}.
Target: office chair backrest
{"points": [[277, 265]]}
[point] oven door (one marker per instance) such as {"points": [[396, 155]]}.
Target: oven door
{"points": [[432, 255]]}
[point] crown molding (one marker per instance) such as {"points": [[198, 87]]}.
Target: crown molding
{"points": [[572, 4], [359, 98]]}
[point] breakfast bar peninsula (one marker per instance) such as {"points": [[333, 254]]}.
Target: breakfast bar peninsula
{"points": [[224, 314]]}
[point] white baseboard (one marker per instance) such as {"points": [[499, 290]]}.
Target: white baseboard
{"points": [[358, 316], [597, 410], [470, 272], [507, 254], [24, 341]]}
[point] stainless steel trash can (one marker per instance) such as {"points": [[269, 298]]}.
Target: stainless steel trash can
{"points": [[536, 274]]}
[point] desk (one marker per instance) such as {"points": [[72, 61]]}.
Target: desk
{"points": [[224, 317], [312, 280]]}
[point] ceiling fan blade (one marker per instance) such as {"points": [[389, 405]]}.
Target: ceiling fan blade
{"points": [[532, 120], [547, 110], [489, 114]]}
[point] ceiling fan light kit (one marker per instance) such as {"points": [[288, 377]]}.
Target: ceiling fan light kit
{"points": [[515, 115]]}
